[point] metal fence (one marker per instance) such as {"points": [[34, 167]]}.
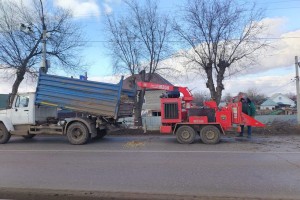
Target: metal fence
{"points": [[149, 123], [267, 119]]}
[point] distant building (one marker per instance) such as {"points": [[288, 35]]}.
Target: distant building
{"points": [[151, 106], [277, 101], [268, 105]]}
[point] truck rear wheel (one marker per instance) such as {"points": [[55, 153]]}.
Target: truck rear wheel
{"points": [[78, 133], [210, 134], [185, 135], [4, 134]]}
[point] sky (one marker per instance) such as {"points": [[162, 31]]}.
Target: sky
{"points": [[274, 73]]}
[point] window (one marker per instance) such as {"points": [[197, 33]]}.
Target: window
{"points": [[156, 113], [22, 101]]}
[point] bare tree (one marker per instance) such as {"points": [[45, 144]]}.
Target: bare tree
{"points": [[21, 51], [200, 97], [219, 35], [138, 42], [228, 97], [292, 96], [255, 96]]}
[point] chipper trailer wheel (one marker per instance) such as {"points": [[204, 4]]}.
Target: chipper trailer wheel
{"points": [[4, 134], [78, 133], [185, 135], [210, 134]]}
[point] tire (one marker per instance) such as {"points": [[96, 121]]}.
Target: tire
{"points": [[29, 136], [4, 134], [101, 133], [78, 133], [185, 135], [210, 134]]}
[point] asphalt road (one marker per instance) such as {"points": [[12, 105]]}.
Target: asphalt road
{"points": [[135, 167]]}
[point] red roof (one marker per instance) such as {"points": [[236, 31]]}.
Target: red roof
{"points": [[156, 78]]}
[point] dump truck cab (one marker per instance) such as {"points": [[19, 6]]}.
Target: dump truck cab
{"points": [[21, 112]]}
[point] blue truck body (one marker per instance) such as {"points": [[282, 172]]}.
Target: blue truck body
{"points": [[83, 96]]}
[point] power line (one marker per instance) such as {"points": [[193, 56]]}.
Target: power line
{"points": [[175, 41], [285, 1], [283, 8], [278, 88], [95, 15]]}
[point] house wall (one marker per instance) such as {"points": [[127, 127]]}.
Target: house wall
{"points": [[267, 107], [152, 101], [284, 99]]}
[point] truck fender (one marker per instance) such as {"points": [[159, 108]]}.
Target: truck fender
{"points": [[89, 124], [7, 123], [220, 128]]}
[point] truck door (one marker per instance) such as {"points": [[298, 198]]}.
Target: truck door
{"points": [[20, 110]]}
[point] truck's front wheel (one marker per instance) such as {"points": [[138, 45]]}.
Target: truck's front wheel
{"points": [[78, 133], [4, 134]]}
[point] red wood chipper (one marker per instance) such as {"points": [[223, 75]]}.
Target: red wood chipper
{"points": [[179, 117]]}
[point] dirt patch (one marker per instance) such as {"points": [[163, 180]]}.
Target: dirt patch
{"points": [[48, 194], [134, 144], [133, 132]]}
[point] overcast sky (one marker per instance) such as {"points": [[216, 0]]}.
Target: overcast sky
{"points": [[274, 73]]}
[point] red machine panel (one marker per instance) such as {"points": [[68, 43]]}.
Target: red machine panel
{"points": [[224, 118], [198, 119], [166, 129], [171, 109], [211, 104]]}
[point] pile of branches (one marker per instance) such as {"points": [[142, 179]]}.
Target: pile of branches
{"points": [[278, 127]]}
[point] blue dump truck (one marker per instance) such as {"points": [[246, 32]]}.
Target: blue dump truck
{"points": [[78, 109]]}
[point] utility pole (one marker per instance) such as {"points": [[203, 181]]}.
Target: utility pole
{"points": [[297, 88], [44, 65], [29, 30]]}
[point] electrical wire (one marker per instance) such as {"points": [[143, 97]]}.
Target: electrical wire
{"points": [[95, 15], [180, 41], [280, 87]]}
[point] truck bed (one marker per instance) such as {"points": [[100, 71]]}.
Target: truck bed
{"points": [[90, 97]]}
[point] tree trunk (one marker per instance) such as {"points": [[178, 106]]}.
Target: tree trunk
{"points": [[216, 93], [139, 103], [138, 109], [210, 81], [20, 76], [222, 65]]}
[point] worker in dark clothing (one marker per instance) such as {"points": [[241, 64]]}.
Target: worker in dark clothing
{"points": [[248, 108]]}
